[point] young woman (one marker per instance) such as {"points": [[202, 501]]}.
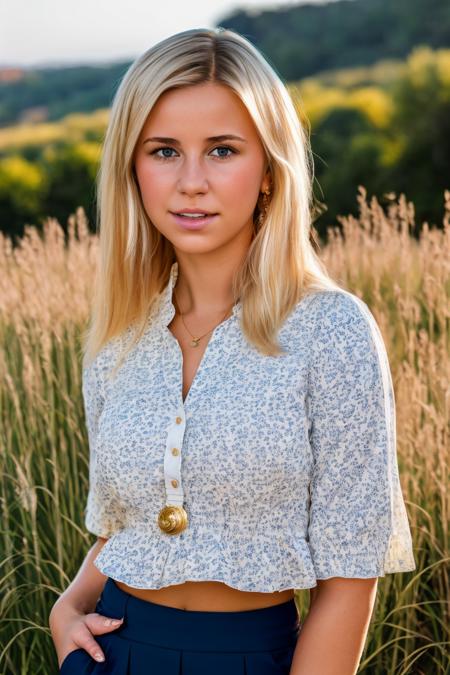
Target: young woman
{"points": [[238, 401]]}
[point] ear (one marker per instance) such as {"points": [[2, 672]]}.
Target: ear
{"points": [[266, 184]]}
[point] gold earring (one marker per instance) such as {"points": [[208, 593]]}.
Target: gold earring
{"points": [[265, 206]]}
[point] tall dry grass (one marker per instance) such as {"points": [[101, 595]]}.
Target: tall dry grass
{"points": [[45, 289]]}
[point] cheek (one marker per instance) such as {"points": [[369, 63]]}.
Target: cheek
{"points": [[151, 184], [242, 188]]}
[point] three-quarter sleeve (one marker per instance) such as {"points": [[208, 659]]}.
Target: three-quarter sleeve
{"points": [[101, 514], [358, 524]]}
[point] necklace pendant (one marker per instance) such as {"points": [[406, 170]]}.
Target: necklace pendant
{"points": [[195, 342]]}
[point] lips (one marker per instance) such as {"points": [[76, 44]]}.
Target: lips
{"points": [[203, 213], [189, 223]]}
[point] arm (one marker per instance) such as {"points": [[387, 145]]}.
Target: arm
{"points": [[358, 527], [333, 635], [313, 593], [82, 594], [73, 621]]}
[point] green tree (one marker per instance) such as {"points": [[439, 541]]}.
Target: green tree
{"points": [[22, 186], [347, 153], [70, 175], [422, 121]]}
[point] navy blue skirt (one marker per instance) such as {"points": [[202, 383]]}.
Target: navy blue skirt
{"points": [[159, 640]]}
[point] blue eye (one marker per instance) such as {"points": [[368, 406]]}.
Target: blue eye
{"points": [[158, 150], [224, 147], [166, 147]]}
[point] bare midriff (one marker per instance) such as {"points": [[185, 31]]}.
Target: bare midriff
{"points": [[208, 596]]}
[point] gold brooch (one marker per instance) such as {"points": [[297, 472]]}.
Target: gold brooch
{"points": [[172, 519]]}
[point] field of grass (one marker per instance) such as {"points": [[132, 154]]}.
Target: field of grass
{"points": [[45, 289]]}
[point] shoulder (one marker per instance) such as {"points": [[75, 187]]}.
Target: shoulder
{"points": [[325, 315], [342, 323], [325, 310], [336, 306]]}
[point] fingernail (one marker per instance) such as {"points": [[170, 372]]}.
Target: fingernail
{"points": [[116, 622], [99, 657]]}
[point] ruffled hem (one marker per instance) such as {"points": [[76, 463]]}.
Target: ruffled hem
{"points": [[254, 561], [257, 563]]}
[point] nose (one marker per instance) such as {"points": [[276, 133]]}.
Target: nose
{"points": [[192, 176]]}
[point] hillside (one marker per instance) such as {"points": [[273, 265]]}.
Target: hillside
{"points": [[298, 40]]}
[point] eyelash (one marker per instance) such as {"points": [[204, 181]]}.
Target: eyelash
{"points": [[167, 147]]}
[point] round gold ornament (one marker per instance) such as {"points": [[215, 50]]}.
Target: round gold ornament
{"points": [[172, 519]]}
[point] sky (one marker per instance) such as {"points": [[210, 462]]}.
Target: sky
{"points": [[58, 32]]}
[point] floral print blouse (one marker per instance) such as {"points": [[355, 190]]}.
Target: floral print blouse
{"points": [[285, 465]]}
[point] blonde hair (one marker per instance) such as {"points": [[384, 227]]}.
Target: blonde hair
{"points": [[134, 260]]}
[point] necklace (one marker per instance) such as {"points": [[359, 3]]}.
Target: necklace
{"points": [[195, 340]]}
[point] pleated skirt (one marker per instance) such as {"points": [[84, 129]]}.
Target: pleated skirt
{"points": [[159, 640]]}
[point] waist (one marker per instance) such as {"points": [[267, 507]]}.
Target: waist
{"points": [[204, 596], [267, 628]]}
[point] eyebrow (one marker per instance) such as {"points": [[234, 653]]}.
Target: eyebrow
{"points": [[211, 139]]}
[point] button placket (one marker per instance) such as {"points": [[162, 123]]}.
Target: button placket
{"points": [[172, 462], [172, 517]]}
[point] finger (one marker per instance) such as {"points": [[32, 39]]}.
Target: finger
{"points": [[92, 647], [98, 623]]}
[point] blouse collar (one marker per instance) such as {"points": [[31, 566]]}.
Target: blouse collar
{"points": [[167, 308]]}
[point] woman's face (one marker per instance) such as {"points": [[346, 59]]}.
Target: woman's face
{"points": [[187, 169]]}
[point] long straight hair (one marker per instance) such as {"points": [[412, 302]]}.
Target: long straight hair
{"points": [[134, 260]]}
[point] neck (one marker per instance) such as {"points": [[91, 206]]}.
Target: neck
{"points": [[204, 291]]}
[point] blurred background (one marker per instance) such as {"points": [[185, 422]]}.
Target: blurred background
{"points": [[372, 77], [371, 81]]}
